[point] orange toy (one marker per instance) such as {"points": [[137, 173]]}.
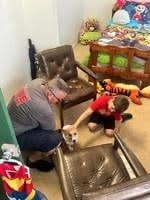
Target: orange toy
{"points": [[120, 88]]}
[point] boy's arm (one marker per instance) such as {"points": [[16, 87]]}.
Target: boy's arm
{"points": [[117, 125], [83, 116]]}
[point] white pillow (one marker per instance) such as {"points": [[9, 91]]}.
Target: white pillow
{"points": [[121, 17]]}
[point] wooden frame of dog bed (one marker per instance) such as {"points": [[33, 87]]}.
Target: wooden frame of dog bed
{"points": [[126, 51]]}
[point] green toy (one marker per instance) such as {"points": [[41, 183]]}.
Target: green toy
{"points": [[89, 32], [89, 37], [103, 58], [118, 61]]}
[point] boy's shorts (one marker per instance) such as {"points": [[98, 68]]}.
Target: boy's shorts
{"points": [[108, 121], [39, 140]]}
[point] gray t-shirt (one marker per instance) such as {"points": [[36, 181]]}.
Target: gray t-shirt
{"points": [[29, 108]]}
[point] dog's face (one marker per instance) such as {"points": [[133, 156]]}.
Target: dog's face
{"points": [[70, 137]]}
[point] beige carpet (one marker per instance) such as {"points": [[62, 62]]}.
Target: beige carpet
{"points": [[134, 132]]}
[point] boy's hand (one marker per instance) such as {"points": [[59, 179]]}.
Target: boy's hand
{"points": [[117, 130], [117, 126], [69, 128]]}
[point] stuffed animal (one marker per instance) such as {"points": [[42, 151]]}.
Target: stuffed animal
{"points": [[129, 90], [118, 5], [99, 88], [90, 31], [145, 92]]}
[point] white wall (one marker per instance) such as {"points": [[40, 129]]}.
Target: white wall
{"points": [[70, 18], [14, 63], [101, 10], [41, 23], [48, 23]]}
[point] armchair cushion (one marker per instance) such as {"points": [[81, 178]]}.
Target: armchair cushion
{"points": [[135, 189], [95, 167], [78, 89]]}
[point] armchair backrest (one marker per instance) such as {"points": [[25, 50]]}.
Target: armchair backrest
{"points": [[58, 61]]}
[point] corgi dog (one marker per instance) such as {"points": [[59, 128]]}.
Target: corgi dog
{"points": [[71, 138]]}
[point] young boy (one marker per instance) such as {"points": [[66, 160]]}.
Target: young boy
{"points": [[106, 110]]}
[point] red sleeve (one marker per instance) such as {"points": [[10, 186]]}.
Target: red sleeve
{"points": [[100, 103]]}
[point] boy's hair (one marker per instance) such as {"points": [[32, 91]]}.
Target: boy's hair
{"points": [[121, 103], [58, 84]]}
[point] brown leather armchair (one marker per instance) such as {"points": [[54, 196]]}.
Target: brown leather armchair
{"points": [[60, 62], [135, 189], [99, 172]]}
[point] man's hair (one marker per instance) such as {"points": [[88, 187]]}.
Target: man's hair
{"points": [[58, 84], [121, 103]]}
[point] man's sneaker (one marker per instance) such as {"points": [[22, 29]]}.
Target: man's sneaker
{"points": [[126, 116], [41, 165]]}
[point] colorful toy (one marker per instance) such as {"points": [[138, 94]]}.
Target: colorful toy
{"points": [[121, 3], [99, 88], [118, 5], [90, 31], [145, 92], [129, 90]]}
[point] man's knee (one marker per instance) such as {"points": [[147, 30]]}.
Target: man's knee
{"points": [[50, 152], [57, 139], [51, 141], [109, 132]]}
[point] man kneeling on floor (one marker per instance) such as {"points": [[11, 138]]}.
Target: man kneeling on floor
{"points": [[33, 119]]}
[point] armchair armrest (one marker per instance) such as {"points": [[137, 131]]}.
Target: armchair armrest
{"points": [[86, 70], [135, 164], [64, 178], [137, 188]]}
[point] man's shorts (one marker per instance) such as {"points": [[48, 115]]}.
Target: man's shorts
{"points": [[108, 121], [39, 140]]}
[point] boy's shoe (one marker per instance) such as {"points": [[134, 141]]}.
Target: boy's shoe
{"points": [[41, 165], [126, 116]]}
